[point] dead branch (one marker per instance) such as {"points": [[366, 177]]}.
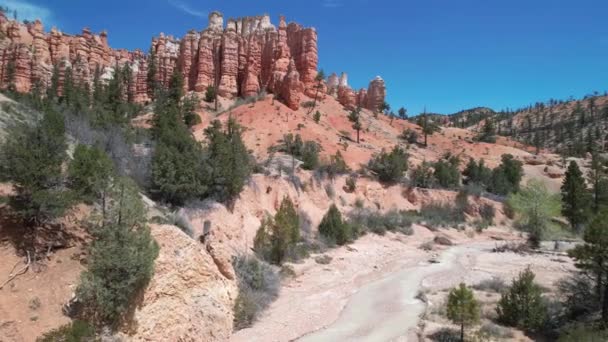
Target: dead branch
{"points": [[20, 272]]}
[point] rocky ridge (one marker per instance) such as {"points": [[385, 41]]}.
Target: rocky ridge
{"points": [[241, 57]]}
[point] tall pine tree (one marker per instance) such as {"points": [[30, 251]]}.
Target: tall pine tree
{"points": [[575, 197]]}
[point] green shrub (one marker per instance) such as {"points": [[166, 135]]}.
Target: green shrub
{"points": [[491, 330], [258, 285], [507, 176], [336, 165], [333, 228], [521, 305], [310, 155], [422, 176], [317, 116], [583, 333], [351, 184], [477, 173], [180, 219], [494, 284], [401, 221], [210, 94], [76, 331], [487, 213], [278, 236], [389, 167], [535, 207], [410, 136], [439, 214], [447, 173]]}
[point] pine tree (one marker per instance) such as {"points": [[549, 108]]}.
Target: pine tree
{"points": [[31, 158], [428, 127], [599, 183], [277, 236], [402, 113], [90, 172], [319, 78], [447, 173], [355, 118], [122, 256], [210, 94], [488, 133], [228, 159], [521, 305], [462, 308], [575, 197], [422, 176], [389, 167], [151, 78], [592, 258], [11, 73], [317, 116], [333, 228]]}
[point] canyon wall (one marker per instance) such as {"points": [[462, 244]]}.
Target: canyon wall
{"points": [[241, 57]]}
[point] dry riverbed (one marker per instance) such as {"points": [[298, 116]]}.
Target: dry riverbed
{"points": [[369, 290]]}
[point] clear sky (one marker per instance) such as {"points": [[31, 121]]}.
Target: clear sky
{"points": [[446, 55]]}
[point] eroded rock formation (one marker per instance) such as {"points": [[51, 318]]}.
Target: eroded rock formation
{"points": [[241, 57], [188, 299]]}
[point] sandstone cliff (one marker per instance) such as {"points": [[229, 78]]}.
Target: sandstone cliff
{"points": [[241, 57]]}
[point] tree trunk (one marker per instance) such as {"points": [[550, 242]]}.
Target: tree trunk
{"points": [[357, 136], [462, 332], [425, 139], [605, 304]]}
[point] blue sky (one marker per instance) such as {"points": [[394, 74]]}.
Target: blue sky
{"points": [[446, 55]]}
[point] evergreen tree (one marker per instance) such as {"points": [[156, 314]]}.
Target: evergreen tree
{"points": [[507, 176], [422, 176], [592, 258], [599, 182], [228, 160], [178, 172], [189, 108], [462, 308], [52, 91], [477, 173], [389, 167], [402, 113], [333, 228], [488, 133], [151, 77], [317, 116], [447, 173], [90, 172], [210, 94], [11, 74], [121, 259], [428, 127], [521, 305], [176, 87], [276, 238], [31, 158], [355, 118], [575, 197], [319, 78]]}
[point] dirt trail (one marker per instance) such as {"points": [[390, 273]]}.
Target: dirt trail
{"points": [[388, 309]]}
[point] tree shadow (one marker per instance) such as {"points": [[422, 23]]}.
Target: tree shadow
{"points": [[36, 239]]}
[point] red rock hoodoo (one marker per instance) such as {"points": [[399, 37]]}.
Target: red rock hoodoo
{"points": [[242, 58]]}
